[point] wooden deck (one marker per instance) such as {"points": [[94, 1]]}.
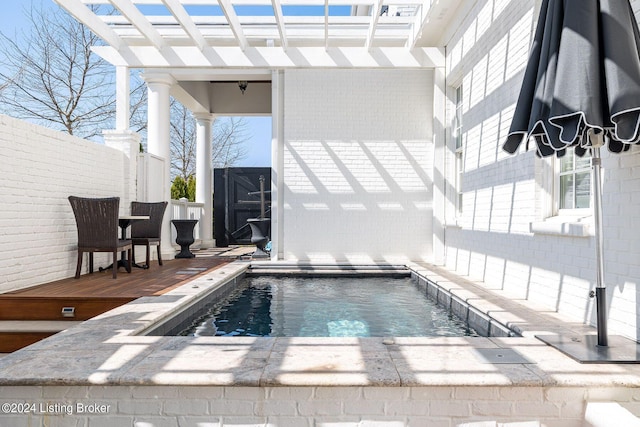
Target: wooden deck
{"points": [[93, 294], [100, 287]]}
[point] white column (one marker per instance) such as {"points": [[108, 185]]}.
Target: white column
{"points": [[277, 167], [158, 143], [123, 98], [204, 177]]}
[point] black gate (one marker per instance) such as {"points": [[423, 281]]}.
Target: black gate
{"points": [[236, 198]]}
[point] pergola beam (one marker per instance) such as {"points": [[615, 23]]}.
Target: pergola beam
{"points": [[326, 24], [376, 10], [83, 14], [234, 23], [422, 19], [181, 15], [277, 11], [272, 57], [138, 20]]}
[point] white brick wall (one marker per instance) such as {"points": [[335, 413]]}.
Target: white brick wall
{"points": [[175, 406], [357, 165], [40, 169], [502, 193]]}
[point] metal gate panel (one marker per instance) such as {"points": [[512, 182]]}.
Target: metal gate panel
{"points": [[233, 204]]}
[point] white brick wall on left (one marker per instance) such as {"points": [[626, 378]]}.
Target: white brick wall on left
{"points": [[41, 168]]}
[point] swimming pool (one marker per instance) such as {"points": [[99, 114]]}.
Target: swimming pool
{"points": [[337, 306]]}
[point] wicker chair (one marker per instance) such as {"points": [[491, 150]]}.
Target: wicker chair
{"points": [[148, 233], [97, 223]]}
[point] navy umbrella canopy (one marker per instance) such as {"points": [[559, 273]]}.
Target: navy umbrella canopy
{"points": [[583, 77], [581, 89]]}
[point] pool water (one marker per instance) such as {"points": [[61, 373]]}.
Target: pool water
{"points": [[326, 307]]}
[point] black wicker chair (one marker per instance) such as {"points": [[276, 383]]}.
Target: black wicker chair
{"points": [[97, 223], [148, 233]]}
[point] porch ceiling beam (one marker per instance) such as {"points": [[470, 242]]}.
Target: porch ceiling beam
{"points": [[234, 22], [183, 17], [277, 11], [83, 14], [272, 57], [376, 10], [138, 20]]}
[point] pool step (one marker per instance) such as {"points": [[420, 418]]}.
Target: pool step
{"points": [[279, 268], [16, 334]]}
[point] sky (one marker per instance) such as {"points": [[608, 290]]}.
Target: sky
{"points": [[258, 147]]}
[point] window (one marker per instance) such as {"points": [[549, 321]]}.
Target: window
{"points": [[457, 134], [573, 187], [567, 197]]}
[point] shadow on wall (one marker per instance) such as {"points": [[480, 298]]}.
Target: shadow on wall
{"points": [[358, 201]]}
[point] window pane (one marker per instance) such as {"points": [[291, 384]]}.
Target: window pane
{"points": [[583, 190], [583, 163], [566, 162], [566, 192], [458, 119]]}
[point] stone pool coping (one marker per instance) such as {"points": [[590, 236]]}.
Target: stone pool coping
{"points": [[108, 350]]}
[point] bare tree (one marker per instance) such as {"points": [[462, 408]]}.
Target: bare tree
{"points": [[183, 141], [138, 105], [51, 77], [229, 136]]}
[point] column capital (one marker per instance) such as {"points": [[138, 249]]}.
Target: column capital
{"points": [[159, 79], [204, 117]]}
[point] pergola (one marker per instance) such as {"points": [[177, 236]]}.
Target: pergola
{"points": [[195, 49]]}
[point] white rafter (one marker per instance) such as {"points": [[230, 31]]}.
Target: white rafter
{"points": [[181, 15], [375, 12], [83, 14], [234, 22], [326, 24], [277, 11], [138, 20]]}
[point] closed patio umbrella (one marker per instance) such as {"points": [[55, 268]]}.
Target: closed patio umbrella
{"points": [[581, 89]]}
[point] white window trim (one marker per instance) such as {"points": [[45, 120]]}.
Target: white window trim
{"points": [[459, 151], [560, 222]]}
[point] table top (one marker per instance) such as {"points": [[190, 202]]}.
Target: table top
{"points": [[133, 217]]}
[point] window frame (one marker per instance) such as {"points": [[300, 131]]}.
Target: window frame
{"points": [[557, 187], [553, 220]]}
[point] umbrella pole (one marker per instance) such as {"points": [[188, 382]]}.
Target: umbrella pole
{"points": [[601, 290]]}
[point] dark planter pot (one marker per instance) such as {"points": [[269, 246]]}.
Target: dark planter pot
{"points": [[260, 230], [184, 236]]}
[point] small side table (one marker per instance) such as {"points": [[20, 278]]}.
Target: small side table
{"points": [[124, 222], [184, 236]]}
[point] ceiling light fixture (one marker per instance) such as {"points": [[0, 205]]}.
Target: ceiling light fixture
{"points": [[242, 84]]}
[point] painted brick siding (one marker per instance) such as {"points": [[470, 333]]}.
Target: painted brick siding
{"points": [[174, 406], [504, 194], [357, 165], [40, 169]]}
